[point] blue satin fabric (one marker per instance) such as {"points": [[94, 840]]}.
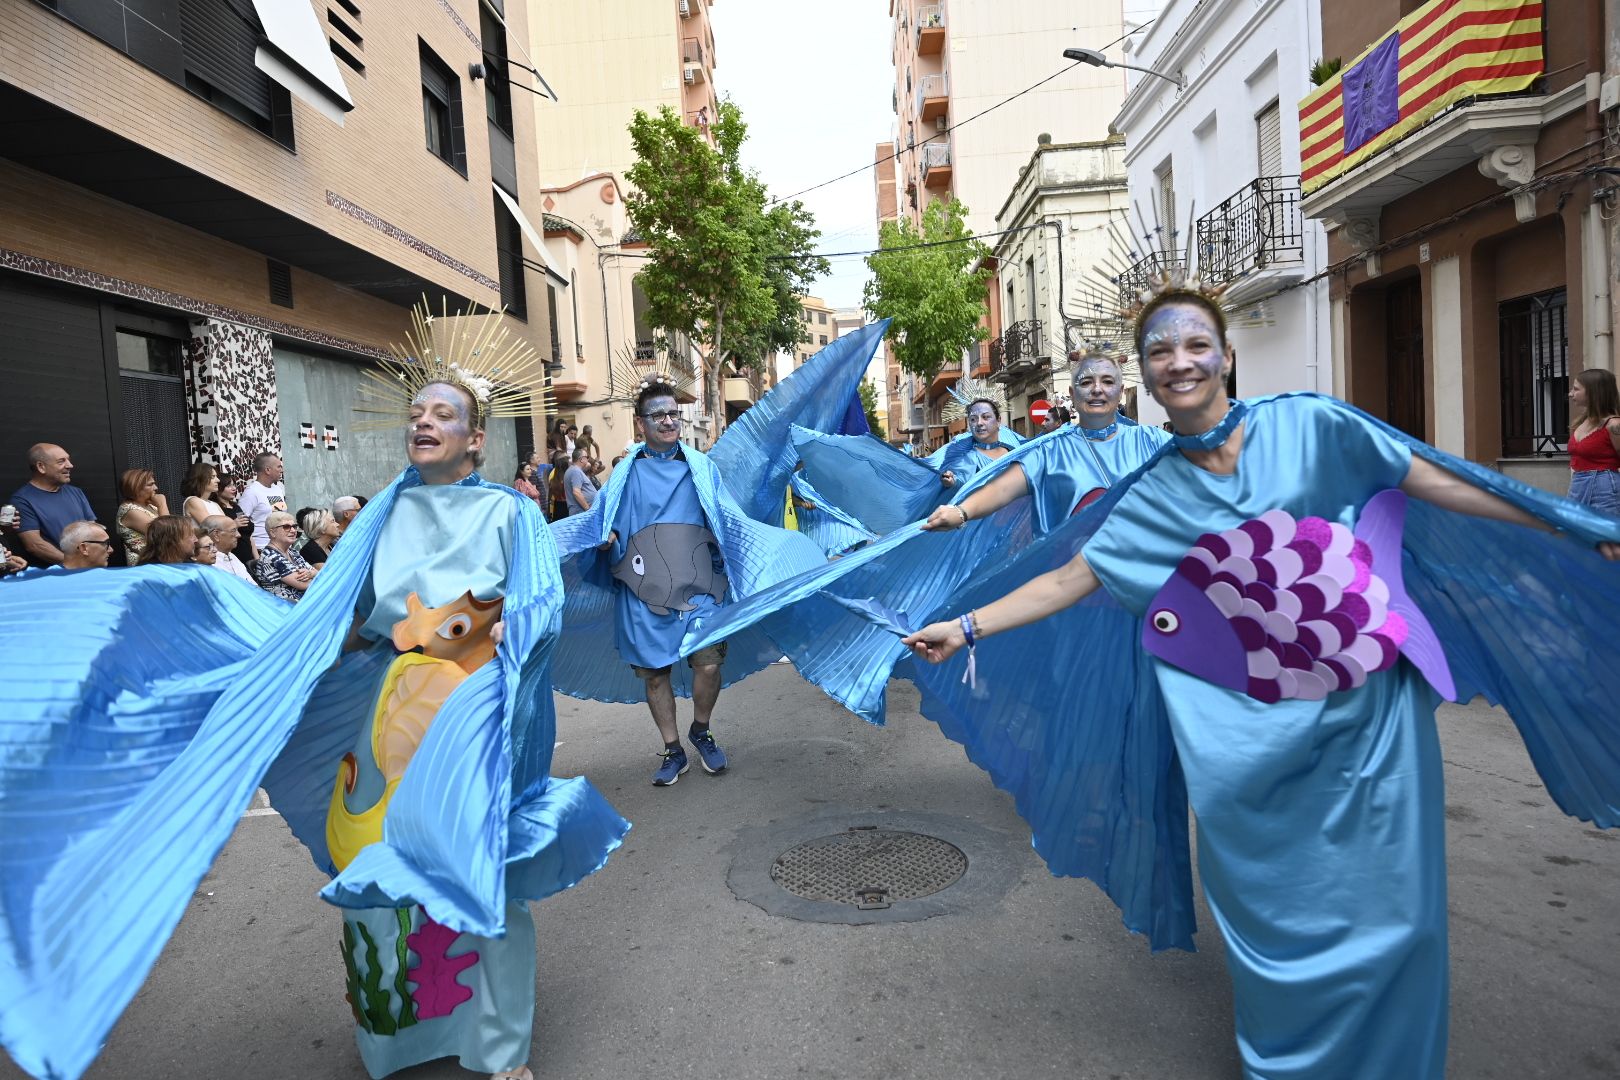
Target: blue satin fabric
{"points": [[959, 456], [756, 556], [883, 488], [142, 708], [1092, 750], [832, 530], [755, 453]]}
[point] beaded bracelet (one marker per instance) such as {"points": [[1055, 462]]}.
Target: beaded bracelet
{"points": [[969, 633]]}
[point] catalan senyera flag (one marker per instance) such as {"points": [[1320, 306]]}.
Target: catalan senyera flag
{"points": [[1443, 52]]}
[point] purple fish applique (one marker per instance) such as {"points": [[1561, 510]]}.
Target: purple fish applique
{"points": [[1278, 608]]}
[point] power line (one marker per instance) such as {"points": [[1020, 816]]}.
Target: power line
{"points": [[960, 123], [867, 251]]}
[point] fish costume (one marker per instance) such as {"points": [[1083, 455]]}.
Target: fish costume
{"points": [[734, 502], [137, 726], [1345, 612]]}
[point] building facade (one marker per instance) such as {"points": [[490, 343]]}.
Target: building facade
{"points": [[607, 60], [1468, 216], [1220, 159], [1054, 230], [955, 58], [201, 254]]}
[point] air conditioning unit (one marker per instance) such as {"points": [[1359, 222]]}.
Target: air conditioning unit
{"points": [[941, 124], [686, 9], [689, 75]]}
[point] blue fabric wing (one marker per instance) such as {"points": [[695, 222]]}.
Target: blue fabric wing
{"points": [[832, 530], [754, 454], [142, 709], [1528, 621], [879, 486]]}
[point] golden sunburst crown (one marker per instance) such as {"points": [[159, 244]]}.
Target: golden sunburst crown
{"points": [[968, 390], [474, 350]]}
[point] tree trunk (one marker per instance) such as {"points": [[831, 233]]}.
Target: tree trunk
{"points": [[711, 377]]}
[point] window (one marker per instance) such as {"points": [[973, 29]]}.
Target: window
{"points": [[441, 111], [821, 317], [218, 43], [1268, 140], [1166, 210], [148, 353], [509, 262], [551, 312], [1029, 288], [573, 298], [497, 73], [821, 339]]}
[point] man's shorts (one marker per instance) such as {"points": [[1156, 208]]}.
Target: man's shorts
{"points": [[713, 656]]}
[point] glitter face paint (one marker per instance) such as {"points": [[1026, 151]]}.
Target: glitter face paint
{"points": [[433, 394], [1178, 334], [660, 435], [1098, 387], [982, 423]]}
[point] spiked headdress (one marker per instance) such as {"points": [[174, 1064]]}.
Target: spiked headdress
{"points": [[968, 390], [474, 352]]}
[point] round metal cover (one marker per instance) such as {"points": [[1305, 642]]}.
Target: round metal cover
{"points": [[866, 864]]}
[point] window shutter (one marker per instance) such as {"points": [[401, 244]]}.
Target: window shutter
{"points": [[1167, 205], [1268, 137], [219, 44]]}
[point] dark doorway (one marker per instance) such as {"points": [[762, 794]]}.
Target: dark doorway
{"points": [[1534, 341], [1406, 379]]}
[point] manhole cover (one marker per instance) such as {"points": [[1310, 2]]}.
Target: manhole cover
{"points": [[869, 867]]}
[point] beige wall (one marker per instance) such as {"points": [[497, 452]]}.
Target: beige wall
{"points": [[606, 60]]}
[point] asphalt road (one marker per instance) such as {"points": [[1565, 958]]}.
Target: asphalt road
{"points": [[653, 967]]}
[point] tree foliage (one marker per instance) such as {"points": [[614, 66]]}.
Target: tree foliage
{"points": [[869, 404], [725, 267], [932, 293]]}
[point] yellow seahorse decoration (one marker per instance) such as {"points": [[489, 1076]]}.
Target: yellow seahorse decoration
{"points": [[454, 642]]}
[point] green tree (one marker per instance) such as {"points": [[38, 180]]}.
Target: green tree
{"points": [[869, 404], [725, 266], [933, 294]]}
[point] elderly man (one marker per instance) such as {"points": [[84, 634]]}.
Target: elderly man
{"points": [[85, 545], [225, 532], [47, 504], [344, 508]]}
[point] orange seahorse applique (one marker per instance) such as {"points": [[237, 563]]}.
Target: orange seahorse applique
{"points": [[454, 642]]}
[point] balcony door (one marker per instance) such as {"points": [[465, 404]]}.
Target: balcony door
{"points": [[1406, 378], [1533, 338]]}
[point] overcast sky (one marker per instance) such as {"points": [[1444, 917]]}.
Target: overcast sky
{"points": [[813, 82]]}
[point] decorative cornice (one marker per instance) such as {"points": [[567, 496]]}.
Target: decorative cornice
{"points": [[456, 18], [361, 214], [91, 279]]}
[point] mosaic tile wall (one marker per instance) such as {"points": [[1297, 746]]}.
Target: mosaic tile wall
{"points": [[231, 395]]}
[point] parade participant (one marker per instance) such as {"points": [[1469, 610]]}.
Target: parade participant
{"points": [[1306, 740], [1070, 464], [984, 442], [440, 608], [665, 497]]}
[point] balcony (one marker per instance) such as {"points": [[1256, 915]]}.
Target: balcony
{"points": [[700, 119], [931, 30], [1356, 156], [692, 61], [1022, 346], [995, 355], [676, 361], [740, 390], [1145, 272], [1256, 230], [933, 96], [936, 165]]}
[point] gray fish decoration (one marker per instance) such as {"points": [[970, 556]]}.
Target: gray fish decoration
{"points": [[665, 565]]}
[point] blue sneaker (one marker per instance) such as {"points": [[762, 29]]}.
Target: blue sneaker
{"points": [[670, 769], [710, 756]]}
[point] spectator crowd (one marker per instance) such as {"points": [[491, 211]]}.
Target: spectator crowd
{"points": [[240, 526]]}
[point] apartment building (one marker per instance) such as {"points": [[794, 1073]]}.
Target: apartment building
{"points": [[956, 58], [1219, 156], [213, 224], [608, 60], [1458, 162]]}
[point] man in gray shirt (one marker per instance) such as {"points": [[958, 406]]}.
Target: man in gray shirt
{"points": [[577, 486]]}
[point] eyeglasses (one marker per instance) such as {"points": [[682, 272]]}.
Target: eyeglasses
{"points": [[107, 542], [662, 417]]}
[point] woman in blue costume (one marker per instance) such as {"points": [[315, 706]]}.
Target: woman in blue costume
{"points": [[1066, 466], [400, 718], [1321, 826], [984, 442]]}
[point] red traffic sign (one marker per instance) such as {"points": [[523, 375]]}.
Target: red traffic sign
{"points": [[1039, 409]]}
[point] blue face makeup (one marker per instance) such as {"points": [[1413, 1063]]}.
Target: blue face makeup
{"points": [[436, 393], [1184, 332], [1098, 374]]}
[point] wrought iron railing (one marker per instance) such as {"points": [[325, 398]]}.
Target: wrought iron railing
{"points": [[995, 355], [1022, 342], [1257, 228], [1145, 271], [1534, 349]]}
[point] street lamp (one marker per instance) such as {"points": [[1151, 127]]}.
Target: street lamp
{"points": [[1097, 59]]}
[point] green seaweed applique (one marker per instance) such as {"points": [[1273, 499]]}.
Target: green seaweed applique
{"points": [[376, 998], [352, 977], [407, 1008]]}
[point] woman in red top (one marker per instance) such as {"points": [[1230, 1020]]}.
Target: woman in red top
{"points": [[1594, 441]]}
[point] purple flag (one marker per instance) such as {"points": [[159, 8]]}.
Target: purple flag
{"points": [[1372, 94]]}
